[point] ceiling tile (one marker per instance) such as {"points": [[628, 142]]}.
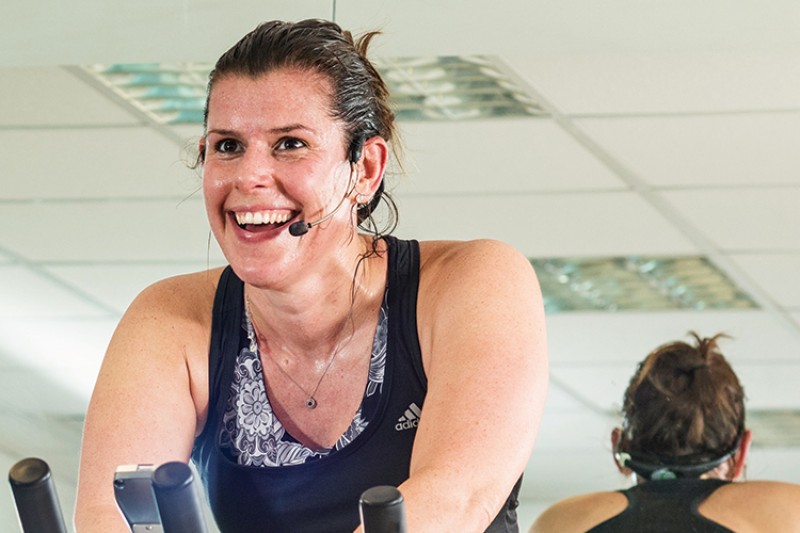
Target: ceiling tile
{"points": [[626, 338], [767, 385], [773, 464], [137, 32], [743, 220], [552, 475], [577, 27], [447, 27], [117, 285], [113, 231], [775, 273], [78, 382], [499, 156], [561, 399], [53, 97], [28, 391], [93, 163], [575, 431], [741, 149], [674, 81], [556, 225], [600, 386], [30, 295], [26, 344], [190, 133], [771, 386], [8, 512]]}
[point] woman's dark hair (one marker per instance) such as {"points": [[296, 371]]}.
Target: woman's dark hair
{"points": [[684, 400], [360, 96]]}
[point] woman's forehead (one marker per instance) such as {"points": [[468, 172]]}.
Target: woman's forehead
{"points": [[280, 93]]}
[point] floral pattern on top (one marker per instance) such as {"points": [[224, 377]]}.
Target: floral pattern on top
{"points": [[253, 436]]}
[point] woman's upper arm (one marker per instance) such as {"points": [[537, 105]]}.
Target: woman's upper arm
{"points": [[482, 334], [144, 408]]}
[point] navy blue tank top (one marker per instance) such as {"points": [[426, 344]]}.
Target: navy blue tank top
{"points": [[665, 506], [321, 496]]}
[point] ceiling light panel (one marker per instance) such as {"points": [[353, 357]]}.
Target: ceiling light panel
{"points": [[637, 283], [454, 88], [422, 89], [167, 93]]}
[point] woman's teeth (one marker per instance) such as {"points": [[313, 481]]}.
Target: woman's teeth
{"points": [[261, 217]]}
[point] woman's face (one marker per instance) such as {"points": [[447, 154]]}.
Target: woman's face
{"points": [[273, 156]]}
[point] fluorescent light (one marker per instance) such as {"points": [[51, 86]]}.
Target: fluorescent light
{"points": [[637, 283], [423, 89]]}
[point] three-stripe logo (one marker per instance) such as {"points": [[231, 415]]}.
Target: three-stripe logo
{"points": [[410, 418]]}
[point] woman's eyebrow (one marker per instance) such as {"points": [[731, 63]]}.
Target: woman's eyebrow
{"points": [[290, 128], [281, 129]]}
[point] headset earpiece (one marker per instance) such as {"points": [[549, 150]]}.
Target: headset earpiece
{"points": [[356, 147]]}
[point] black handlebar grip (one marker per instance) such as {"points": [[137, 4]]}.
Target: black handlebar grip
{"points": [[35, 496], [178, 504], [382, 510]]}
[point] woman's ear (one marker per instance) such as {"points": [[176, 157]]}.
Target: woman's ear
{"points": [[201, 150], [616, 438], [371, 166], [740, 456]]}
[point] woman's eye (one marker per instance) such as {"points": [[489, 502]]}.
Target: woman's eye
{"points": [[226, 146], [290, 143]]}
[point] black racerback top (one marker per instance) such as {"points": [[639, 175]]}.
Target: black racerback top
{"points": [[321, 496], [665, 506]]}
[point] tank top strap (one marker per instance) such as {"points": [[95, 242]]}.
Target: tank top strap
{"points": [[226, 329], [402, 287]]}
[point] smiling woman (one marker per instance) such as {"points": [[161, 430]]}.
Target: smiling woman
{"points": [[328, 357]]}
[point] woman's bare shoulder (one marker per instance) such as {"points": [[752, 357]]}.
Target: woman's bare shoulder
{"points": [[482, 263], [580, 513], [172, 312], [185, 294], [437, 250], [756, 506], [765, 491]]}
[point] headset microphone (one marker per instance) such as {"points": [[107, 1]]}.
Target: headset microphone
{"points": [[301, 227]]}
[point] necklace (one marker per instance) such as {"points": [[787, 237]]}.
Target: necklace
{"points": [[311, 401]]}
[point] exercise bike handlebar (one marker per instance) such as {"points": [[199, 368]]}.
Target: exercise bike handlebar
{"points": [[382, 510], [35, 497], [178, 504]]}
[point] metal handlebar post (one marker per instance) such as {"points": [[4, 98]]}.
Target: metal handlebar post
{"points": [[382, 510], [35, 496], [178, 504]]}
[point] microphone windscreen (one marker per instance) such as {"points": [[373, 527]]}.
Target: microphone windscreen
{"points": [[35, 496], [298, 228], [382, 510]]}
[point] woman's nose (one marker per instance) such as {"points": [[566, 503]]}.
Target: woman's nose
{"points": [[256, 169]]}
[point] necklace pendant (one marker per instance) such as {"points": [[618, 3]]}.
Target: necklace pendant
{"points": [[311, 403]]}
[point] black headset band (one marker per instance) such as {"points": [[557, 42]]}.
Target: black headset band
{"points": [[650, 466]]}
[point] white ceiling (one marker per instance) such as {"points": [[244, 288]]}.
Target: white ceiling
{"points": [[672, 128]]}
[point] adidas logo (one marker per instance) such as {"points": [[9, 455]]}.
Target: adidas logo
{"points": [[410, 418]]}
